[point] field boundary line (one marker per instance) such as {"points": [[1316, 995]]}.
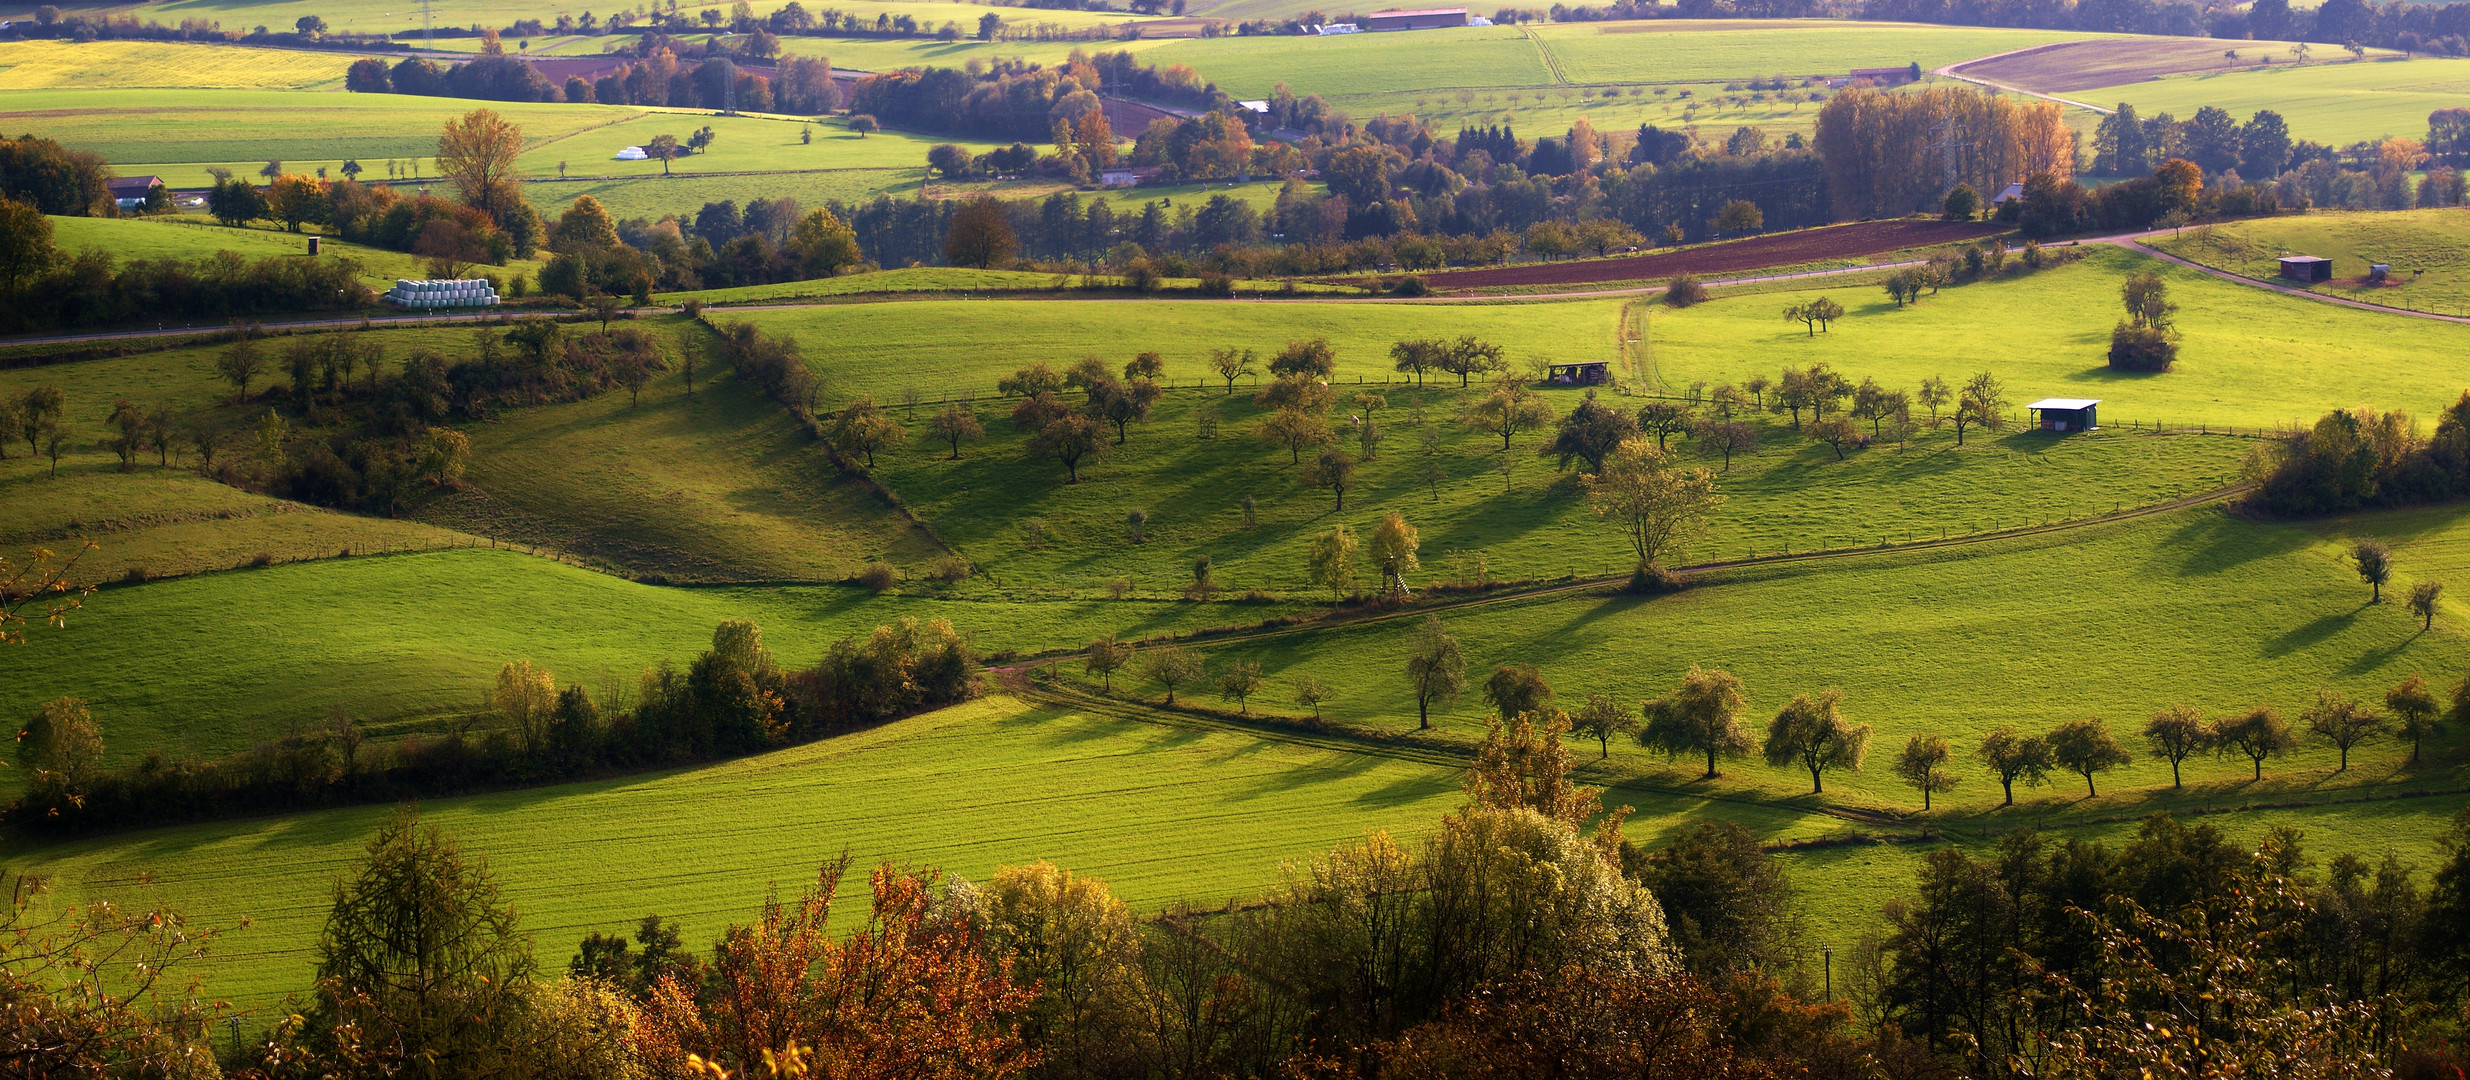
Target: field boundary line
{"points": [[1955, 71], [1552, 62]]}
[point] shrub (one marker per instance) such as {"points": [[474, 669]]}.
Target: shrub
{"points": [[1684, 291], [1411, 285], [2141, 348], [879, 577], [1217, 284], [951, 569], [1654, 581]]}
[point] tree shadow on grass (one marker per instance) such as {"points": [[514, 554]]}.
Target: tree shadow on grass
{"points": [[2314, 632]]}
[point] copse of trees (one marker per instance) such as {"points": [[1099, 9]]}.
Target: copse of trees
{"points": [[2355, 458], [732, 699], [1873, 144], [54, 179]]}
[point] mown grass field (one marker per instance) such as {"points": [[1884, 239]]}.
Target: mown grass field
{"points": [[139, 130], [2429, 251], [2248, 358], [741, 144], [61, 65], [196, 238], [722, 487], [2330, 103]]}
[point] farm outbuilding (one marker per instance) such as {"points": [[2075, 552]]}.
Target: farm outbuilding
{"points": [[1590, 373], [2066, 414], [1416, 19], [2307, 268], [129, 192]]}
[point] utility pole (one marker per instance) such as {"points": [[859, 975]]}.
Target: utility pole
{"points": [[1828, 952]]}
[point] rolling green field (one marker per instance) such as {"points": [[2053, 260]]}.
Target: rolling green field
{"points": [[196, 238], [719, 488], [61, 65], [2248, 358], [2429, 251], [139, 130], [2330, 103]]}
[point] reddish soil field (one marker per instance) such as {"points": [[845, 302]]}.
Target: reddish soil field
{"points": [[2088, 65], [1733, 257]]}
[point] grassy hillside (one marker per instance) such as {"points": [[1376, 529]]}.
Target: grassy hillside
{"points": [[2429, 251], [2248, 357], [1533, 524], [50, 65], [2330, 103], [385, 16], [196, 238], [722, 487], [139, 130]]}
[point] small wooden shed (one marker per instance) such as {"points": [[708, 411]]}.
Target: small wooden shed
{"points": [[2307, 268], [1591, 373], [2066, 414]]}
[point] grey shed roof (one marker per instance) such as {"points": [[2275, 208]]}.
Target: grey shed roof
{"points": [[2065, 404]]}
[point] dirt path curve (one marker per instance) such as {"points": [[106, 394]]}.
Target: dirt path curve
{"points": [[1955, 71], [2135, 242]]}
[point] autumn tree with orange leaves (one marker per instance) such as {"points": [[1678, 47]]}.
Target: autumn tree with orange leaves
{"points": [[911, 994]]}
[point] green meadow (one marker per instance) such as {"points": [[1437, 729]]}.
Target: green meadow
{"points": [[2330, 103], [2429, 251], [390, 16], [141, 129], [194, 238], [2248, 357]]}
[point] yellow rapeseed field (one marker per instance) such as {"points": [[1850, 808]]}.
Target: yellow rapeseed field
{"points": [[48, 65]]}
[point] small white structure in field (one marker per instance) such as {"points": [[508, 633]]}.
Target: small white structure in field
{"points": [[633, 153]]}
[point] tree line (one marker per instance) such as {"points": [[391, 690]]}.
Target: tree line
{"points": [[733, 699], [2356, 458]]}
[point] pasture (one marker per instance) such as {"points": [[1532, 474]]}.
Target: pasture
{"points": [[163, 65], [390, 16], [2429, 251], [196, 238], [2330, 103], [2248, 358], [146, 131]]}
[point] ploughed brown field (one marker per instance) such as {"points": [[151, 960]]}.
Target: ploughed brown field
{"points": [[1755, 253], [2088, 65]]}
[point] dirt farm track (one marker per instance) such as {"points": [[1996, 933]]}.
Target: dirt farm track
{"points": [[1854, 241]]}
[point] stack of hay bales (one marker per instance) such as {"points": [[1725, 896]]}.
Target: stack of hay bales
{"points": [[429, 295]]}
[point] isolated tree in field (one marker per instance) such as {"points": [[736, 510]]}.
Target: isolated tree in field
{"points": [[1436, 669], [1515, 690], [1311, 693], [1905, 285], [2423, 602], [2345, 723], [1394, 543], [1726, 437], [2012, 755], [1239, 682], [1702, 716], [1923, 766], [1030, 381], [1204, 584], [2085, 748], [59, 746], [863, 427], [1835, 431], [1310, 357], [2375, 563], [2147, 300], [981, 235], [1172, 666], [1068, 439], [1419, 357], [690, 349], [1294, 429], [1468, 358], [421, 947], [1123, 404], [130, 422], [1982, 404], [2257, 734], [1662, 419], [1589, 432], [2417, 709], [1601, 718], [1334, 470], [1106, 657], [1510, 408], [477, 152], [240, 365], [1685, 290], [1660, 507], [1232, 364], [1147, 365], [1332, 561], [1934, 394], [1801, 313], [1756, 386], [1813, 734], [955, 424], [2176, 734]]}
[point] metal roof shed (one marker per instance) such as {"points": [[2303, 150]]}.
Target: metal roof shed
{"points": [[2307, 268], [2066, 414]]}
